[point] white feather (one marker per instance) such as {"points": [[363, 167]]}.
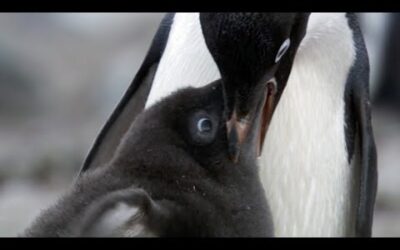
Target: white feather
{"points": [[186, 60]]}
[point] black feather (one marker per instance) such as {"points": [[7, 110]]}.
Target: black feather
{"points": [[190, 189]]}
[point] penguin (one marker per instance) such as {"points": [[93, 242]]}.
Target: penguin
{"points": [[170, 177], [322, 116], [318, 165]]}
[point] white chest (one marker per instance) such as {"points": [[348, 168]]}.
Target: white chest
{"points": [[304, 166]]}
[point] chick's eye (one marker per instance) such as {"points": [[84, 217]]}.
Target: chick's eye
{"points": [[204, 125]]}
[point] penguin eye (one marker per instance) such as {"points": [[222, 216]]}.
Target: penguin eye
{"points": [[282, 50], [202, 128]]}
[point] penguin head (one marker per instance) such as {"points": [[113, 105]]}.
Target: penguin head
{"points": [[254, 53]]}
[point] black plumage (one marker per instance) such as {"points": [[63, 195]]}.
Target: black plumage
{"points": [[245, 47], [254, 53], [173, 165]]}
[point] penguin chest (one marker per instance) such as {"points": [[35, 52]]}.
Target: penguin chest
{"points": [[307, 178], [304, 169]]}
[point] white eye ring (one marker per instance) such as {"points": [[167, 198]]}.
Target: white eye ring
{"points": [[282, 50]]}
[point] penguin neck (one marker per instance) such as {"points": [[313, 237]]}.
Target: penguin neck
{"points": [[304, 166]]}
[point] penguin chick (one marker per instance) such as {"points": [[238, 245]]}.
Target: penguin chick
{"points": [[171, 176]]}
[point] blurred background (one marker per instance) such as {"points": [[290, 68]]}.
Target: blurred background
{"points": [[62, 74]]}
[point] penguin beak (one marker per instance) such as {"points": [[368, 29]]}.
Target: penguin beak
{"points": [[237, 132], [238, 127]]}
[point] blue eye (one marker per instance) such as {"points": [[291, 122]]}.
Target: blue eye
{"points": [[204, 125]]}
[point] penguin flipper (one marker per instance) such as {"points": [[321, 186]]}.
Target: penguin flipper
{"points": [[122, 213], [368, 168], [359, 110], [131, 104], [129, 212]]}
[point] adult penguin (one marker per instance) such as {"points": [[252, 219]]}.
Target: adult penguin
{"points": [[318, 164], [173, 176]]}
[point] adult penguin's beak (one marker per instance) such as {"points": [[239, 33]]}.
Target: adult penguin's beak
{"points": [[239, 123]]}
